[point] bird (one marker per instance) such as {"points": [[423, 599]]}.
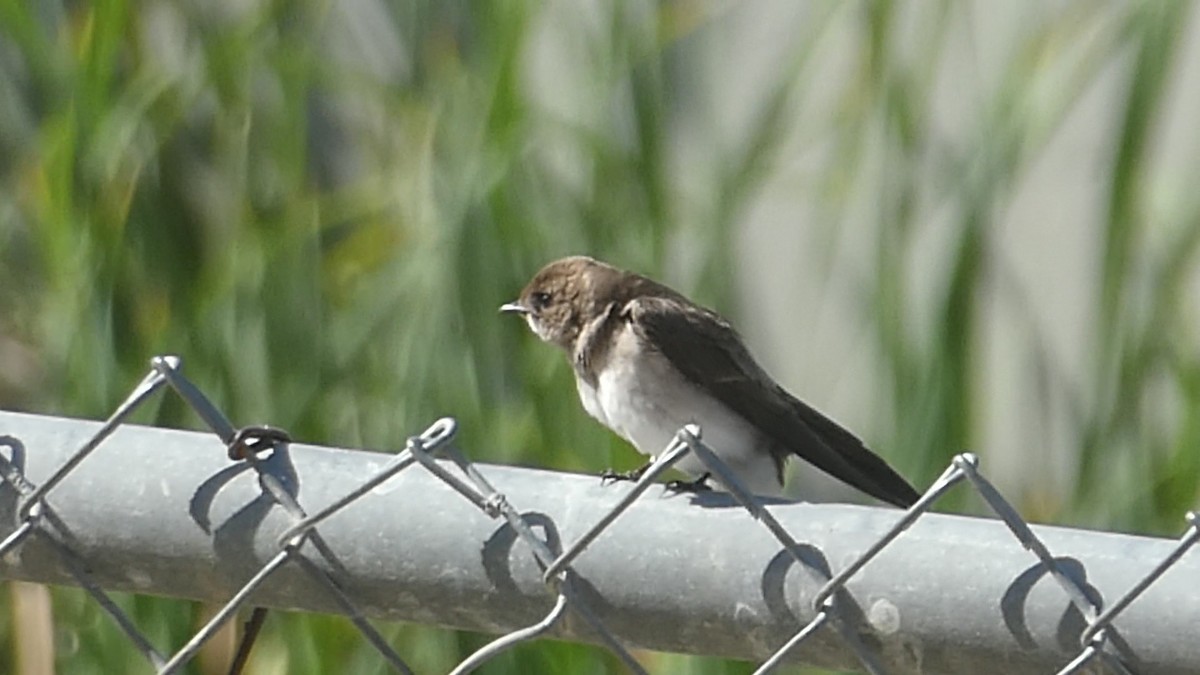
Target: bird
{"points": [[648, 361]]}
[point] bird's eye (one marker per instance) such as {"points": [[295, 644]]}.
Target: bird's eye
{"points": [[540, 300]]}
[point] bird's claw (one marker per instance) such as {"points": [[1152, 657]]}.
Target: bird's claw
{"points": [[692, 486], [609, 476]]}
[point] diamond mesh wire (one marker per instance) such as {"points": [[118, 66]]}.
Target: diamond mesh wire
{"points": [[38, 519]]}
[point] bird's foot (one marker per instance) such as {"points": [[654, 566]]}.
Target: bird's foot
{"points": [[693, 486], [610, 476]]}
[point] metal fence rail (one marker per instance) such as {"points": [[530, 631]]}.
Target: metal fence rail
{"points": [[247, 517]]}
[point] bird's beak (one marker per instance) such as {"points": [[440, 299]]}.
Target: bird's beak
{"points": [[514, 308]]}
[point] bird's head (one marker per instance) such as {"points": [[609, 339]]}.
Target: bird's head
{"points": [[564, 296]]}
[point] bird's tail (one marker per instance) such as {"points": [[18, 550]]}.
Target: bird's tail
{"points": [[852, 462]]}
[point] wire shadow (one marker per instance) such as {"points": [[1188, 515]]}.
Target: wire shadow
{"points": [[1072, 623]]}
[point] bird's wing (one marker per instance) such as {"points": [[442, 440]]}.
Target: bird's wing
{"points": [[707, 350]]}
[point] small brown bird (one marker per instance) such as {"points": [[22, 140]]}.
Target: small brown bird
{"points": [[648, 361]]}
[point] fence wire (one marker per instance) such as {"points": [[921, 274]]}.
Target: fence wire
{"points": [[37, 518]]}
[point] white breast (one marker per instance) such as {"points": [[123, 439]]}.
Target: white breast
{"points": [[640, 396]]}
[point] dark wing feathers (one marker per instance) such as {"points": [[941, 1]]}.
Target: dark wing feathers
{"points": [[707, 351]]}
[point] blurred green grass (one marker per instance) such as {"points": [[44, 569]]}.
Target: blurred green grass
{"points": [[321, 213]]}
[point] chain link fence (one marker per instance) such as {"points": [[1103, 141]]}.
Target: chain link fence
{"points": [[913, 591]]}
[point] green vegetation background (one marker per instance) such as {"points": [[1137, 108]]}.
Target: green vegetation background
{"points": [[326, 240]]}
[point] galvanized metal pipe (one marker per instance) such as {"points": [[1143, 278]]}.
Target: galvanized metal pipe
{"points": [[167, 513]]}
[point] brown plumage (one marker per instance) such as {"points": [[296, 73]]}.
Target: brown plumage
{"points": [[648, 360]]}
